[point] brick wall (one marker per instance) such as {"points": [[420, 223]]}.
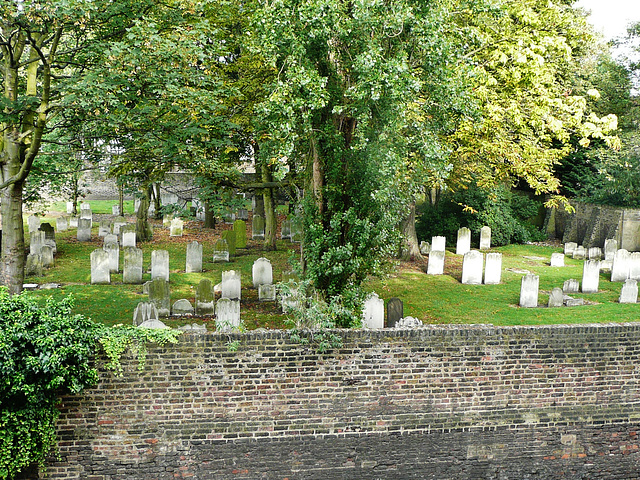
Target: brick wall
{"points": [[468, 402]]}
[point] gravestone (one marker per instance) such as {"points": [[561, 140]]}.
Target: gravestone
{"points": [[463, 245], [132, 265], [395, 311], [128, 235], [557, 259], [118, 223], [620, 267], [570, 247], [229, 217], [104, 228], [34, 223], [100, 263], [296, 229], [267, 293], [493, 268], [439, 244], [571, 286], [84, 230], [529, 291], [629, 292], [113, 249], [590, 276], [62, 224], [46, 253], [160, 295], [373, 312], [634, 265], [205, 298], [230, 237], [70, 208], [73, 221], [220, 251], [436, 262], [580, 253], [182, 307], [262, 272], [257, 228], [243, 214], [111, 238], [144, 311], [85, 213], [231, 285], [610, 248], [485, 238], [194, 257], [556, 298], [166, 220], [36, 242], [160, 264], [285, 229], [472, 268], [594, 253], [227, 314], [49, 231], [425, 248], [240, 233], [115, 210], [33, 266], [177, 227]]}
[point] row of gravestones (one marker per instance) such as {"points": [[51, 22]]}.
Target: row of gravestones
{"points": [[373, 314], [463, 243], [42, 247], [290, 229]]}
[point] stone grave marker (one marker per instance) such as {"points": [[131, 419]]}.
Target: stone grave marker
{"points": [[436, 262], [194, 257], [285, 229], [34, 223], [49, 231], [229, 217], [590, 276], [570, 247], [262, 272], [267, 293], [395, 311], [243, 214], [529, 291], [84, 230], [36, 242], [231, 285], [128, 234], [160, 264], [33, 265], [182, 307], [46, 253], [73, 221], [463, 244], [104, 228], [296, 229], [111, 238], [634, 265], [118, 223], [580, 253], [557, 259], [425, 248], [485, 238], [177, 227], [70, 208], [610, 248], [62, 224], [86, 214], [160, 295], [493, 268], [230, 237], [571, 286], [113, 249], [595, 253], [373, 312], [439, 244], [166, 220], [240, 233], [132, 265], [100, 267], [227, 314], [220, 251], [115, 210], [144, 311], [257, 228], [472, 267], [629, 292], [556, 298], [620, 267], [205, 298]]}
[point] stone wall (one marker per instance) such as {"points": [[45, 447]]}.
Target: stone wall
{"points": [[443, 402]]}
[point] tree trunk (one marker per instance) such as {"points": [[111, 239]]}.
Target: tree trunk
{"points": [[270, 219], [157, 201], [144, 231], [13, 250], [75, 194], [209, 216], [121, 198], [411, 248]]}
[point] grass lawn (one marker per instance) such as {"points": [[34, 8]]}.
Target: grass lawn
{"points": [[432, 299]]}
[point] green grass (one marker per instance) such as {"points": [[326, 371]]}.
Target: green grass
{"points": [[97, 206]]}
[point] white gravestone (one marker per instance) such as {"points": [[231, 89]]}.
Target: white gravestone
{"points": [[590, 276], [34, 223], [620, 267], [267, 293], [571, 286], [262, 272], [128, 234], [113, 249], [436, 263], [177, 227], [84, 230], [46, 253], [36, 242], [629, 292], [634, 265], [493, 268], [194, 257], [160, 264], [221, 251], [556, 298], [182, 307], [463, 245], [100, 267], [110, 239], [227, 314], [570, 247], [231, 285], [529, 291], [144, 311], [104, 228], [472, 268], [62, 224], [132, 265], [373, 312], [580, 253], [425, 248], [70, 208], [610, 248], [439, 244], [485, 238], [595, 253], [73, 222], [557, 259]]}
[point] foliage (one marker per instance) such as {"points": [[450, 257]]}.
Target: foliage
{"points": [[506, 212], [45, 351]]}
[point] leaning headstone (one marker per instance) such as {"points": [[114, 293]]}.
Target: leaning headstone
{"points": [[472, 268], [84, 230], [240, 229], [143, 312], [257, 228], [231, 285], [160, 264], [267, 293], [177, 227], [160, 294], [221, 251], [373, 312], [34, 223], [556, 298], [634, 265], [132, 265], [33, 266], [570, 247], [395, 311], [594, 253], [629, 292], [529, 291], [436, 262], [46, 253], [463, 245], [62, 224], [100, 267], [557, 259], [205, 298], [439, 244], [425, 248], [230, 237], [194, 257], [182, 307], [262, 272], [485, 238], [128, 234], [493, 268], [590, 276], [571, 286], [285, 229], [580, 253], [113, 249], [227, 314], [620, 267], [104, 228]]}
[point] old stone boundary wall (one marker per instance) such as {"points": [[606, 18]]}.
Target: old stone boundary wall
{"points": [[442, 402]]}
